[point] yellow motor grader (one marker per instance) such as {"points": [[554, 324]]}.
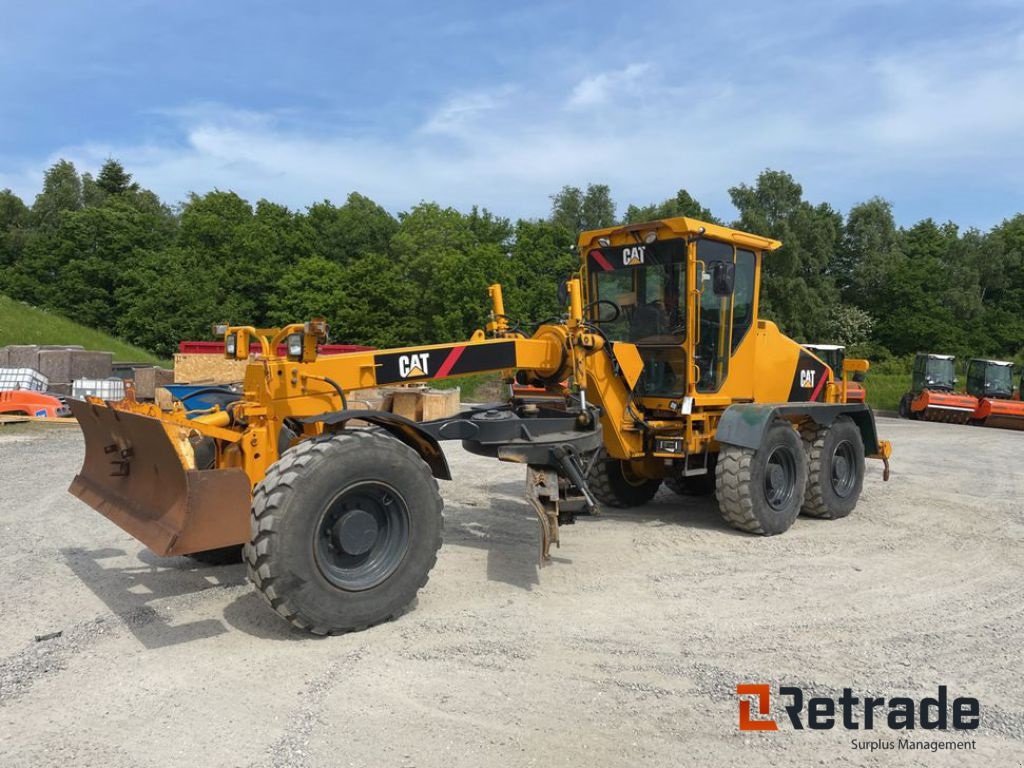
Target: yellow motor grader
{"points": [[659, 370]]}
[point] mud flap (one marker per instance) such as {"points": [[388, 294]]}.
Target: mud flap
{"points": [[135, 477]]}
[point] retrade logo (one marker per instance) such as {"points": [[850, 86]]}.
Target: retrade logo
{"points": [[853, 713], [763, 697]]}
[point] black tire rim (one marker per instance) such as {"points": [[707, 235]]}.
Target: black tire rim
{"points": [[844, 469], [780, 478], [362, 536]]}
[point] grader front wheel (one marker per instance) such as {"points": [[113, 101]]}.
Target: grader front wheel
{"points": [[762, 491], [614, 484], [345, 531]]}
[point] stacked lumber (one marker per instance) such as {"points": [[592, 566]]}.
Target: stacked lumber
{"points": [[421, 403], [208, 369]]}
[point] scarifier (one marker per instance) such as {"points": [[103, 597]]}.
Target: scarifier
{"points": [[932, 396], [671, 376], [991, 381]]}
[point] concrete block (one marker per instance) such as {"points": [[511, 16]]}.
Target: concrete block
{"points": [[23, 356], [86, 364], [55, 364], [148, 380], [5, 357]]}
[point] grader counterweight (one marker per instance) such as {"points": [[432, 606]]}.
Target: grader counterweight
{"points": [[672, 377]]}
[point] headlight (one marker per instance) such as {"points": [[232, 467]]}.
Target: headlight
{"points": [[219, 329], [295, 345], [231, 345]]}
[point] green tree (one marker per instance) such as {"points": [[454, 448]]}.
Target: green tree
{"points": [[683, 204], [449, 268], [358, 227], [164, 302], [14, 217], [62, 192], [797, 288], [1001, 285], [577, 211], [910, 304], [542, 256], [114, 179]]}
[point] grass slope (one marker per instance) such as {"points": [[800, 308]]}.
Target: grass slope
{"points": [[22, 324]]}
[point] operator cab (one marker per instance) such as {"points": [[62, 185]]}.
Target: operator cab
{"points": [[990, 378], [933, 372], [640, 293]]}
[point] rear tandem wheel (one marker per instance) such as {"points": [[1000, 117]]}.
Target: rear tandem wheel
{"points": [[835, 459]]}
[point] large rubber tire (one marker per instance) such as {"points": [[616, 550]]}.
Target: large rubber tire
{"points": [[762, 491], [835, 468], [323, 490], [612, 485], [221, 556], [905, 412], [695, 485]]}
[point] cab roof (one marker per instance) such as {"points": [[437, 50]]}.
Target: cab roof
{"points": [[991, 362], [683, 226]]}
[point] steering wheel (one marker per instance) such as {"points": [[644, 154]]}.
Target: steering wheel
{"points": [[610, 303]]}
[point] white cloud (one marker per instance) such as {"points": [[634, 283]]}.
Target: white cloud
{"points": [[456, 115], [957, 99], [846, 127], [599, 89]]}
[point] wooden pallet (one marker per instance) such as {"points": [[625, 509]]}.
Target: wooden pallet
{"points": [[10, 418]]}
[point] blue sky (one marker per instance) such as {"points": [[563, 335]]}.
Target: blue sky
{"points": [[502, 104]]}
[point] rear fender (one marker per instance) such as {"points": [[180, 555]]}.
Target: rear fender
{"points": [[406, 430], [744, 424]]}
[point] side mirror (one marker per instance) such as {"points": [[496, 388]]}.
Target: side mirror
{"points": [[723, 278], [859, 377]]}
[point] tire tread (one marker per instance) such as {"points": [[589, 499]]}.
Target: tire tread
{"points": [[286, 474]]}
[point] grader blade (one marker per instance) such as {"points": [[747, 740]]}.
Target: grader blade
{"points": [[139, 473]]}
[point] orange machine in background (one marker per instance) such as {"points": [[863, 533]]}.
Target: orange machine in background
{"points": [[932, 397], [24, 402], [991, 381]]}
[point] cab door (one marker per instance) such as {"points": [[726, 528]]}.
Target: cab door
{"points": [[726, 279]]}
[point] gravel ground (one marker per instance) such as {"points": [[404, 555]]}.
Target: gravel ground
{"points": [[625, 651]]}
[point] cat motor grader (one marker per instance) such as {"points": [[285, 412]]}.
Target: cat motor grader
{"points": [[671, 376]]}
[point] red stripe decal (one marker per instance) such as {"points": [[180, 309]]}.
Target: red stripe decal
{"points": [[449, 362], [817, 389], [602, 262]]}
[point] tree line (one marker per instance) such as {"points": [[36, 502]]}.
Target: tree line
{"points": [[110, 254]]}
